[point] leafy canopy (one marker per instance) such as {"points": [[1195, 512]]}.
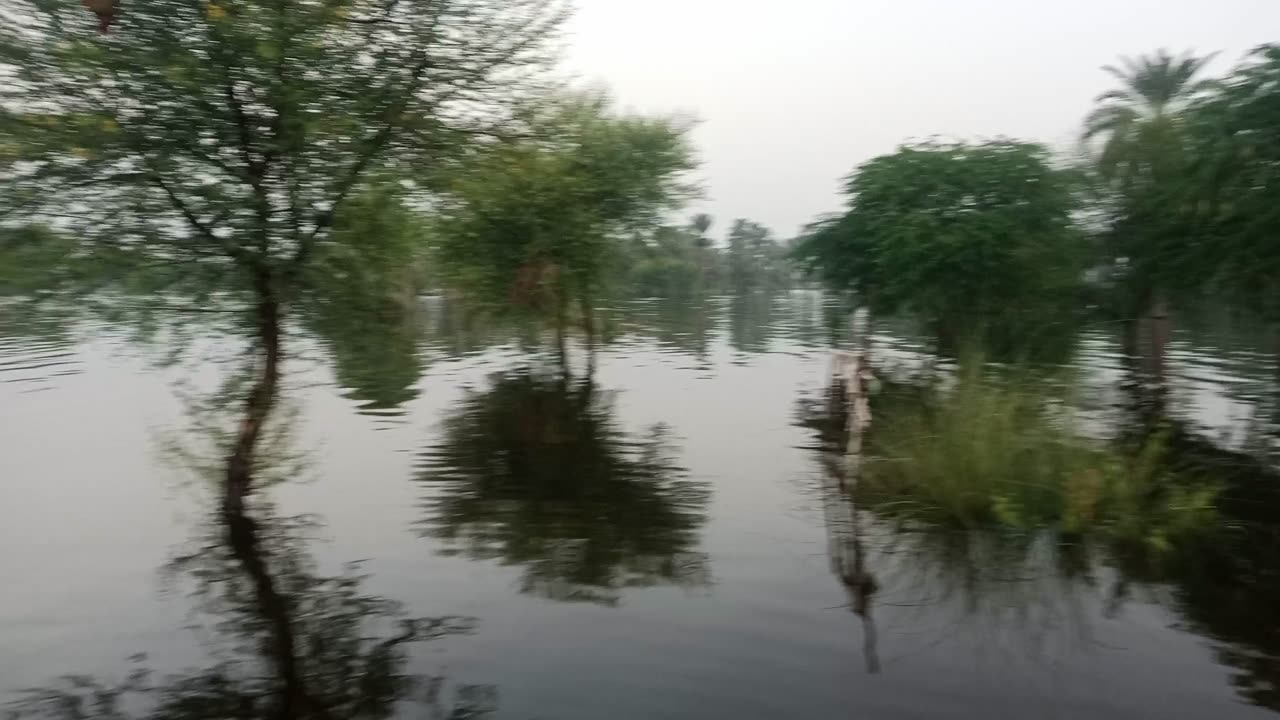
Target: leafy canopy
{"points": [[1235, 183], [229, 134], [1141, 122], [537, 223], [964, 234]]}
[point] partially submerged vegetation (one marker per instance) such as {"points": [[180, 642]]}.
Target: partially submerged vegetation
{"points": [[293, 164], [989, 449]]}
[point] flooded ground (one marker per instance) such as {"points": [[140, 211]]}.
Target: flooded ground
{"points": [[663, 540]]}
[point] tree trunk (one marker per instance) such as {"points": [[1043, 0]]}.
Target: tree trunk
{"points": [[1275, 349], [261, 396], [589, 329], [242, 530], [1146, 340], [1158, 333]]}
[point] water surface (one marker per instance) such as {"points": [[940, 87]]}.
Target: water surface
{"points": [[661, 540]]}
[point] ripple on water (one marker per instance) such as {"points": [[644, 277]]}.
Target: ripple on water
{"points": [[36, 364]]}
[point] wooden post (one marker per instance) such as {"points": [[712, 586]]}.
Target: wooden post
{"points": [[854, 373], [851, 375]]}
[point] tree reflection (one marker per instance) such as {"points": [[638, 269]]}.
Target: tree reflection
{"points": [[948, 586], [1031, 584], [287, 641], [752, 322], [376, 358], [534, 471], [1229, 590], [681, 325]]}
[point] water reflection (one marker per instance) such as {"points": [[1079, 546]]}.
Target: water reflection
{"points": [[750, 323], [541, 474], [535, 471], [37, 342], [286, 641], [1040, 588], [685, 326], [375, 355], [1230, 590], [451, 329]]}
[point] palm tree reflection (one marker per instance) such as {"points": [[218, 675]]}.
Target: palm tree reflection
{"points": [[534, 471]]}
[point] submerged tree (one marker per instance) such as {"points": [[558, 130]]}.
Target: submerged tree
{"points": [[973, 237], [536, 224], [669, 262], [215, 146], [1235, 184], [1143, 161], [535, 472]]}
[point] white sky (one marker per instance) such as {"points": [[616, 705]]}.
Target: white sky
{"points": [[792, 95]]}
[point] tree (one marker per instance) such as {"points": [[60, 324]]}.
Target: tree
{"points": [[534, 225], [669, 262], [1141, 122], [1234, 181], [701, 224], [970, 236], [217, 143], [756, 260], [1143, 161]]}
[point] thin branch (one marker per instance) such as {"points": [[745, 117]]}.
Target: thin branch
{"points": [[234, 251], [375, 145]]}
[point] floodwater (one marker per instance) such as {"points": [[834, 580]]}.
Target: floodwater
{"points": [[661, 541]]}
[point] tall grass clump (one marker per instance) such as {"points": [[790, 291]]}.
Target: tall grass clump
{"points": [[1001, 449]]}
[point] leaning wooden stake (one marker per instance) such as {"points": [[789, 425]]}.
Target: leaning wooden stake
{"points": [[851, 376], [853, 372]]}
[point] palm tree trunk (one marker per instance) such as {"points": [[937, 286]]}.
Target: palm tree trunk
{"points": [[589, 328], [1159, 333]]}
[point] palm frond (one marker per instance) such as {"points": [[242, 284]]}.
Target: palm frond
{"points": [[1109, 119]]}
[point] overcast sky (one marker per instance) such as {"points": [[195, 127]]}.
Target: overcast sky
{"points": [[792, 95]]}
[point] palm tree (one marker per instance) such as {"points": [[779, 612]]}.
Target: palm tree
{"points": [[1141, 121], [1141, 124], [700, 224]]}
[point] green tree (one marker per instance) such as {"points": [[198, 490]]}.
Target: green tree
{"points": [[755, 259], [1141, 123], [1143, 161], [1234, 182], [701, 224], [669, 262], [215, 144], [970, 236], [537, 225]]}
